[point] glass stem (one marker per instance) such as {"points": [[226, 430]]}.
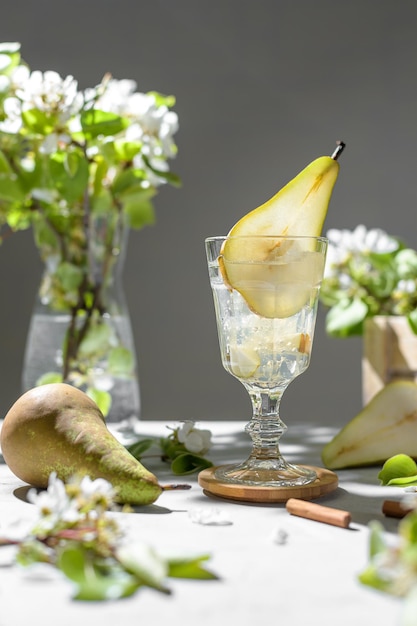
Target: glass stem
{"points": [[265, 427]]}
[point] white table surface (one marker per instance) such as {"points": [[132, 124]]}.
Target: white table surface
{"points": [[309, 580]]}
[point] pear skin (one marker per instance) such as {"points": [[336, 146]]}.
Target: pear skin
{"points": [[58, 428], [386, 426]]}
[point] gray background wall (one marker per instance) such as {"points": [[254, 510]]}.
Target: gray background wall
{"points": [[262, 87]]}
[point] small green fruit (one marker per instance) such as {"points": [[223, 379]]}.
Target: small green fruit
{"points": [[398, 467]]}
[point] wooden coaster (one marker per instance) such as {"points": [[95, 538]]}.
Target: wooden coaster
{"points": [[326, 482]]}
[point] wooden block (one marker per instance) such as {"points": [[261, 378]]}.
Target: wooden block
{"points": [[389, 353]]}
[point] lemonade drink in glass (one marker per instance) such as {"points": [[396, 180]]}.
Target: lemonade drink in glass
{"points": [[265, 325]]}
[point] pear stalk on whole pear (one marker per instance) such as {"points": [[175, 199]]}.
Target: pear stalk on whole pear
{"points": [[385, 427], [257, 249], [58, 428]]}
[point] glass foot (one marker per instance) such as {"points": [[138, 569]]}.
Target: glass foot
{"points": [[268, 473]]}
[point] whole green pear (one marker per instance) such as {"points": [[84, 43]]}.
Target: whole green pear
{"points": [[58, 428], [386, 426]]}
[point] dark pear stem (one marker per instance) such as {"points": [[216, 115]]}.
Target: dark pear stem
{"points": [[340, 146], [175, 486]]}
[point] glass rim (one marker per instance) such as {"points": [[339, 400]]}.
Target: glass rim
{"points": [[320, 238]]}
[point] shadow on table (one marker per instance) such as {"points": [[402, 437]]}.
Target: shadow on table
{"points": [[358, 487], [155, 509], [359, 490]]}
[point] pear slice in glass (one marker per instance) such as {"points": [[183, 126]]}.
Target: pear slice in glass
{"points": [[281, 285], [257, 257]]}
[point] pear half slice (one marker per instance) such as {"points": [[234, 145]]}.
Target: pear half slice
{"points": [[386, 426], [275, 279], [280, 286]]}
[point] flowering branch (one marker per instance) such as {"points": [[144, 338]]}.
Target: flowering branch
{"points": [[367, 273], [392, 566], [81, 167], [75, 535], [184, 448]]}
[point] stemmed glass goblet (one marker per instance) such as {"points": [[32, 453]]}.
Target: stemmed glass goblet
{"points": [[266, 311]]}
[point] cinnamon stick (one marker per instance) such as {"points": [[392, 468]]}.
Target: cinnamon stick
{"points": [[318, 512], [394, 508]]}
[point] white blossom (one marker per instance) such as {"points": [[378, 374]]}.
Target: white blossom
{"points": [[99, 487], [48, 92], [54, 504], [361, 240], [346, 243], [406, 286], [209, 516], [5, 61], [9, 46], [19, 77], [279, 536], [194, 439], [144, 561], [13, 112], [53, 141], [115, 95]]}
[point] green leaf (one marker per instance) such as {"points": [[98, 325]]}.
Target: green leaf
{"points": [[162, 100], [397, 466], [140, 212], [131, 181], [10, 188], [138, 448], [69, 275], [96, 340], [121, 362], [171, 447], [402, 482], [412, 320], [188, 463], [100, 171], [68, 173], [346, 318], [71, 163], [371, 577], [43, 233], [171, 178], [102, 202], [30, 173], [408, 532], [95, 123], [32, 551], [377, 543], [4, 164], [19, 218], [190, 568], [126, 150], [38, 121], [95, 581], [49, 377], [101, 398], [382, 285]]}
